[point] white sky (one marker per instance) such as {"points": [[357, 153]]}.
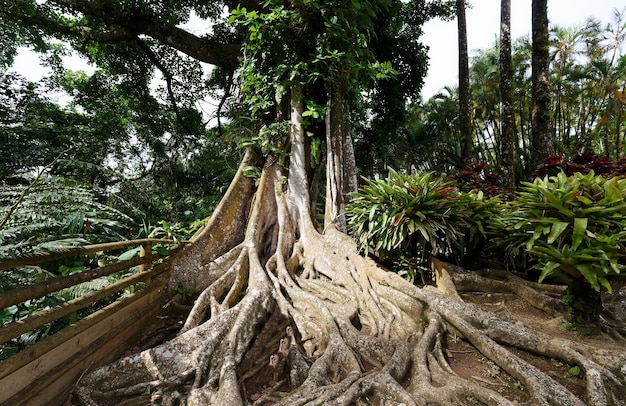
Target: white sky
{"points": [[483, 27]]}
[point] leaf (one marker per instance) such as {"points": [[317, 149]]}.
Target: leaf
{"points": [[580, 228], [398, 219], [548, 269], [607, 285], [587, 271], [130, 254], [161, 249], [557, 229], [584, 199], [520, 224], [373, 212]]}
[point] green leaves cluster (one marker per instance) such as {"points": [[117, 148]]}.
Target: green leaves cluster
{"points": [[58, 213], [423, 214], [570, 227]]}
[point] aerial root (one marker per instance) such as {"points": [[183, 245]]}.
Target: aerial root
{"points": [[542, 296], [156, 387]]}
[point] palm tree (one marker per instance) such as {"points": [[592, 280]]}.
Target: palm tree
{"points": [[484, 78], [464, 87], [507, 147], [542, 137]]}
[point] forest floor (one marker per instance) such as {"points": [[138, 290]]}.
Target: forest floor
{"points": [[469, 363]]}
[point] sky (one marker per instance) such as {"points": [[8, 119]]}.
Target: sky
{"points": [[483, 27]]}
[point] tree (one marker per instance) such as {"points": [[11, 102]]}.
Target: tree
{"points": [[542, 136], [507, 142], [285, 302], [465, 113]]}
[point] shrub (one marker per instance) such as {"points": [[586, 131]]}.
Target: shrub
{"points": [[583, 163], [477, 177], [572, 229], [413, 216]]}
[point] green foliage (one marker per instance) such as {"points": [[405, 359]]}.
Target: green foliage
{"points": [[419, 215], [386, 134], [58, 213], [570, 227]]}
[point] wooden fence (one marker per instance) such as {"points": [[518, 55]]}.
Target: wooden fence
{"points": [[46, 372]]}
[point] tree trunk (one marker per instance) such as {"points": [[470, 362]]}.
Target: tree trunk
{"points": [[507, 139], [340, 160], [542, 140], [465, 115]]}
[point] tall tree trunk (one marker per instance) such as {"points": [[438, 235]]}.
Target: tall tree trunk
{"points": [[340, 160], [542, 140], [465, 119], [507, 147]]}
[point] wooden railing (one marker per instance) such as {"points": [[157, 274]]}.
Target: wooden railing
{"points": [[44, 373]]}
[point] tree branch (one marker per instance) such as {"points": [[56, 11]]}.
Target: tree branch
{"points": [[227, 93], [168, 78], [126, 25]]}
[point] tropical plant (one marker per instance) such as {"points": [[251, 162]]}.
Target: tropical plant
{"points": [[405, 211], [572, 229], [587, 113], [414, 216], [53, 213], [59, 213]]}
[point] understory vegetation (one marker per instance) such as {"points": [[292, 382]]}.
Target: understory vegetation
{"points": [[571, 229]]}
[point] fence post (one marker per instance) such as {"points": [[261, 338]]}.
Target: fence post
{"points": [[146, 250]]}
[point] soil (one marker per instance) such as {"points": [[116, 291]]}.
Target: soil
{"points": [[469, 363]]}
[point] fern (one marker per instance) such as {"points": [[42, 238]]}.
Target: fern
{"points": [[57, 213]]}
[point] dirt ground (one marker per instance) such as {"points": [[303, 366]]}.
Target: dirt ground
{"points": [[468, 363]]}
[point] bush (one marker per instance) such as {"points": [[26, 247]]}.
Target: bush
{"points": [[571, 229], [583, 163], [413, 216], [477, 177]]}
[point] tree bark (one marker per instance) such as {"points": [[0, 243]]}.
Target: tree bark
{"points": [[542, 138], [340, 159], [507, 139], [465, 114]]}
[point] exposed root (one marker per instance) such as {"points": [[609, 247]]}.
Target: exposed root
{"points": [[295, 317]]}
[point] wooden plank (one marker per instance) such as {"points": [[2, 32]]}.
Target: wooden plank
{"points": [[37, 350], [38, 319], [63, 378], [105, 339], [37, 290], [38, 258]]}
